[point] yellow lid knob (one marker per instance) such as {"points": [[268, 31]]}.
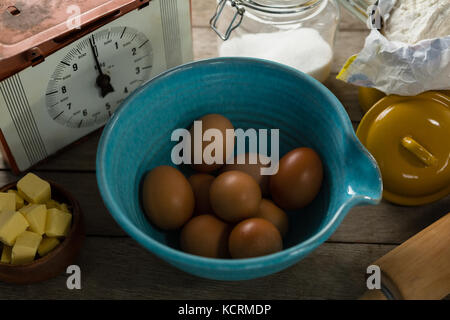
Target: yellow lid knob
{"points": [[419, 151]]}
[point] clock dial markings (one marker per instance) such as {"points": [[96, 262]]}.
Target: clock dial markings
{"points": [[79, 92]]}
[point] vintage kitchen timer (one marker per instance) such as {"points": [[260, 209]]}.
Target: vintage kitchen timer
{"points": [[65, 66]]}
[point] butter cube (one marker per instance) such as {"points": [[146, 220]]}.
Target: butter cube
{"points": [[7, 202], [6, 255], [64, 207], [25, 208], [25, 248], [47, 245], [52, 204], [34, 189], [12, 224], [58, 223], [19, 200], [36, 215]]}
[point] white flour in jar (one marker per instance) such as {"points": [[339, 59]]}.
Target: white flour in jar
{"points": [[414, 20], [303, 49]]}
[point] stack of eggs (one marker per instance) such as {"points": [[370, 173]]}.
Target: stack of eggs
{"points": [[231, 210]]}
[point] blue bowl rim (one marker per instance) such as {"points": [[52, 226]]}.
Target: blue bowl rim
{"points": [[177, 256]]}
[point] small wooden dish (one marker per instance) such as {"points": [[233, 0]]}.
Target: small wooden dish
{"points": [[56, 261]]}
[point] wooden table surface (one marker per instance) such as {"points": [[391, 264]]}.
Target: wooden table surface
{"points": [[115, 266]]}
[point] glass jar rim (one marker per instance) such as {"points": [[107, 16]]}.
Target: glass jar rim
{"points": [[294, 7]]}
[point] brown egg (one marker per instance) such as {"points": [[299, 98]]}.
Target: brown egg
{"points": [[253, 238], [167, 197], [235, 196], [252, 169], [298, 179], [269, 211], [212, 121], [200, 183], [206, 236]]}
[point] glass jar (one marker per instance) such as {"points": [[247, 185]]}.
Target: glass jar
{"points": [[298, 33], [361, 9]]}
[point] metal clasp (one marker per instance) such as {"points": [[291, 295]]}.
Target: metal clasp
{"points": [[234, 23]]}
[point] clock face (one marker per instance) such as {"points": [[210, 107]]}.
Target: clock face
{"points": [[96, 75]]}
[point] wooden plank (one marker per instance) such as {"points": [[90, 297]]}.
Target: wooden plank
{"points": [[203, 10], [82, 157], [350, 22], [3, 164], [347, 95], [348, 43], [113, 268], [206, 43], [385, 223], [388, 223]]}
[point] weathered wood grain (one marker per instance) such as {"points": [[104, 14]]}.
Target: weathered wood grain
{"points": [[115, 268], [348, 43], [348, 95], [81, 157], [388, 223], [350, 22], [385, 223], [205, 42]]}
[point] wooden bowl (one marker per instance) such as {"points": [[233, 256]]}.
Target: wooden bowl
{"points": [[56, 261]]}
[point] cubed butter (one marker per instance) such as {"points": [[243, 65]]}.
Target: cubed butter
{"points": [[64, 207], [36, 215], [52, 204], [7, 202], [12, 224], [6, 254], [58, 223], [19, 200], [34, 189], [47, 245], [25, 208], [55, 204], [25, 248]]}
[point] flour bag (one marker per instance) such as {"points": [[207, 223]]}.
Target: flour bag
{"points": [[400, 67]]}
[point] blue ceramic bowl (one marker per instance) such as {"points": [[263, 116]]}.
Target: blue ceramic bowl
{"points": [[252, 94]]}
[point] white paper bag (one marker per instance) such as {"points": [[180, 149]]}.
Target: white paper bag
{"points": [[396, 67]]}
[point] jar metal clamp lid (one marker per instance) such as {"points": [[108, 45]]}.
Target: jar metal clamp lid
{"points": [[263, 6], [235, 22]]}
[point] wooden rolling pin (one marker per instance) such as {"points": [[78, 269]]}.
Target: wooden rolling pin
{"points": [[417, 269]]}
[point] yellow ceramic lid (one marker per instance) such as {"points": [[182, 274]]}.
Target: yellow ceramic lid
{"points": [[410, 139]]}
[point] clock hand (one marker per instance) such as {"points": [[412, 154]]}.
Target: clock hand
{"points": [[103, 80]]}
